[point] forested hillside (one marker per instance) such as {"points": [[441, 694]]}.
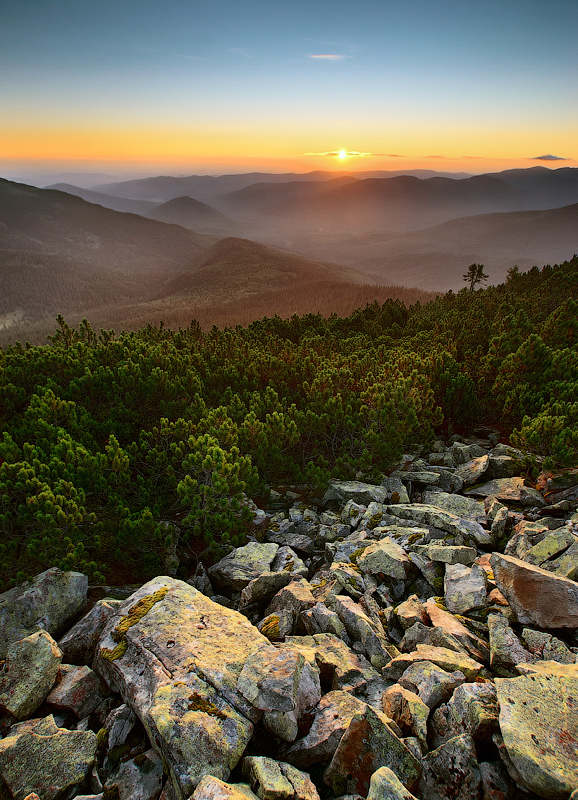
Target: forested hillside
{"points": [[119, 447]]}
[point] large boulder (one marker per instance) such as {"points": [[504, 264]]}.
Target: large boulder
{"points": [[537, 596], [176, 658], [48, 602], [542, 746]]}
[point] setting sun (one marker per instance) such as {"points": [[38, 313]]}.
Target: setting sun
{"points": [[342, 154]]}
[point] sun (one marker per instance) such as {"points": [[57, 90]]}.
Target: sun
{"points": [[342, 154]]}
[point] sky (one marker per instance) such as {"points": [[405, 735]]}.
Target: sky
{"points": [[189, 87]]}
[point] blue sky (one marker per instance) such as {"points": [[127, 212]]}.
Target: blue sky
{"points": [[193, 83]]}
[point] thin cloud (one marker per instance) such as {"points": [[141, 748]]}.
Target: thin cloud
{"points": [[329, 56], [549, 157], [354, 153], [184, 56], [238, 51]]}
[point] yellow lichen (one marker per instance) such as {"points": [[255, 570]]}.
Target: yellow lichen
{"points": [[199, 703], [118, 652], [135, 614], [270, 628]]}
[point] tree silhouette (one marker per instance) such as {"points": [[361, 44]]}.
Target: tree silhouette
{"points": [[475, 275]]}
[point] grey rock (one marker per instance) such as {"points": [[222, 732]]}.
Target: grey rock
{"points": [[446, 659], [465, 589], [362, 629], [547, 647], [264, 587], [455, 526], [331, 719], [509, 490], [396, 491], [433, 684], [362, 493], [30, 670], [211, 788], [473, 709], [139, 778], [38, 756], [473, 470], [408, 711], [464, 507], [277, 780], [242, 565], [119, 724], [452, 771], [176, 658], [79, 691], [449, 554], [320, 619], [48, 602], [287, 560], [368, 744], [505, 648], [385, 557], [78, 644]]}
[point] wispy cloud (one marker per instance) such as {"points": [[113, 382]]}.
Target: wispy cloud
{"points": [[238, 51], [329, 56], [184, 56], [353, 153], [549, 157]]}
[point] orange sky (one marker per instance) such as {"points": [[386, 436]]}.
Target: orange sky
{"points": [[456, 85]]}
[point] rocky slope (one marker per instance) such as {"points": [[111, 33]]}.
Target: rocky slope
{"points": [[416, 638]]}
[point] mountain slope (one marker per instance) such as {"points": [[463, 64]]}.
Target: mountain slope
{"points": [[435, 258], [52, 222], [235, 268], [192, 214], [106, 200], [398, 204]]}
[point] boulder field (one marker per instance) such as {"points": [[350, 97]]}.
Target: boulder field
{"points": [[412, 639]]}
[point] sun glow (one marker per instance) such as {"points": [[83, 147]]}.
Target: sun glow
{"points": [[342, 154]]}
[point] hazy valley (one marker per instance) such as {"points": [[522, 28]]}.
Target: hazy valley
{"points": [[233, 248]]}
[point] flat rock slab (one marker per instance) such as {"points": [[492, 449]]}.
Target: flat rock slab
{"points": [[542, 746], [48, 602], [362, 493], [508, 490], [537, 596], [447, 660], [451, 523], [37, 756], [176, 658]]}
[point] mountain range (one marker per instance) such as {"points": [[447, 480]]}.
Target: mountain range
{"points": [[165, 247]]}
